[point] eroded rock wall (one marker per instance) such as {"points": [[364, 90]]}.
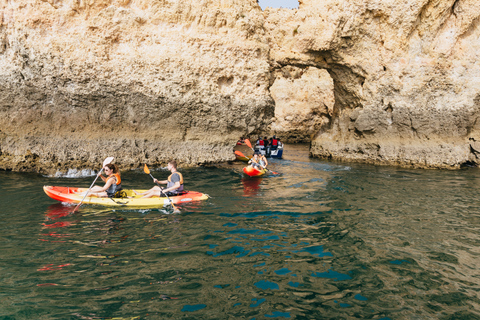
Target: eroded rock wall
{"points": [[405, 73], [147, 81], [304, 101], [143, 81]]}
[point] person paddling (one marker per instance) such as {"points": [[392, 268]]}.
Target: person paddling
{"points": [[112, 182], [174, 184], [259, 162]]}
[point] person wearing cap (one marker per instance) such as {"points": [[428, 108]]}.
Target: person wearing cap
{"points": [[259, 145]]}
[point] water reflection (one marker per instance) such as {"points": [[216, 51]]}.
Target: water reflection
{"points": [[251, 186], [57, 210], [321, 240]]}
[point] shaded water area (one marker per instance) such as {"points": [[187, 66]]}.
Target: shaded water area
{"points": [[322, 240]]}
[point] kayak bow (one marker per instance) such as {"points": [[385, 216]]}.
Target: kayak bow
{"points": [[252, 172]]}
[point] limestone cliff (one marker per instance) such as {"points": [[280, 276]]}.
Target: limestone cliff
{"points": [[405, 73], [143, 81], [392, 82]]}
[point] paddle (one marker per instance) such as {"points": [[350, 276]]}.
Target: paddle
{"points": [[238, 153], [105, 162], [247, 142], [147, 171]]}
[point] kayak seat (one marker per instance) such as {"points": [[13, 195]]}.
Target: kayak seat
{"points": [[120, 194]]}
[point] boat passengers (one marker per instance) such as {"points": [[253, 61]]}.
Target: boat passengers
{"points": [[266, 143], [258, 161], [274, 143], [259, 141], [112, 182], [174, 184], [280, 144]]}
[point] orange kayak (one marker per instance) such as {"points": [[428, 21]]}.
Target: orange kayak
{"points": [[252, 172], [75, 195]]}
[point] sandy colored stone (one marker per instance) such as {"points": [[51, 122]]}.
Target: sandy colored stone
{"points": [[303, 102], [138, 80], [148, 81], [405, 73]]}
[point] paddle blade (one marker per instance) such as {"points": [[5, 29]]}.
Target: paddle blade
{"points": [[175, 209], [248, 143], [107, 161], [240, 154], [145, 169]]}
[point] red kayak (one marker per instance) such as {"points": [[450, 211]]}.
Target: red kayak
{"points": [[252, 172]]}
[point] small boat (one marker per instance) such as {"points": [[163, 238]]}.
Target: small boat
{"points": [[252, 172], [269, 153], [75, 195]]}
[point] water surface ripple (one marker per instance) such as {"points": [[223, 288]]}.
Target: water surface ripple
{"points": [[322, 240]]}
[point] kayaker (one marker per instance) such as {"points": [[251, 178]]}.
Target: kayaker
{"points": [[258, 161], [174, 184], [241, 141], [263, 161], [112, 182]]}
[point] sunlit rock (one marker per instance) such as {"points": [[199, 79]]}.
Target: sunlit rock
{"points": [[150, 81]]}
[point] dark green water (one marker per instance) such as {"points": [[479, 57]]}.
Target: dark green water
{"points": [[321, 241]]}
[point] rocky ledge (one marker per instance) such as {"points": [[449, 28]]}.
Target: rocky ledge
{"points": [[391, 82]]}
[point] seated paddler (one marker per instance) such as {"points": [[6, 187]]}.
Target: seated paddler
{"points": [[174, 184], [112, 182], [258, 161]]}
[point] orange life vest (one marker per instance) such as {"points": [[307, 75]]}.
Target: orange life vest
{"points": [[114, 187], [116, 175]]}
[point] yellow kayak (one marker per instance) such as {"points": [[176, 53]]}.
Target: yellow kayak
{"points": [[75, 195]]}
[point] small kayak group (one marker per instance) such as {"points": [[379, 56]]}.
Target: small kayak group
{"points": [[112, 193], [257, 165], [271, 148]]}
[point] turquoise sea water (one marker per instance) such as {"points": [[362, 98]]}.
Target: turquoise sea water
{"points": [[322, 240]]}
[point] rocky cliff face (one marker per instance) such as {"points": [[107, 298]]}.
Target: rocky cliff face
{"points": [[405, 76], [393, 82], [143, 81]]}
